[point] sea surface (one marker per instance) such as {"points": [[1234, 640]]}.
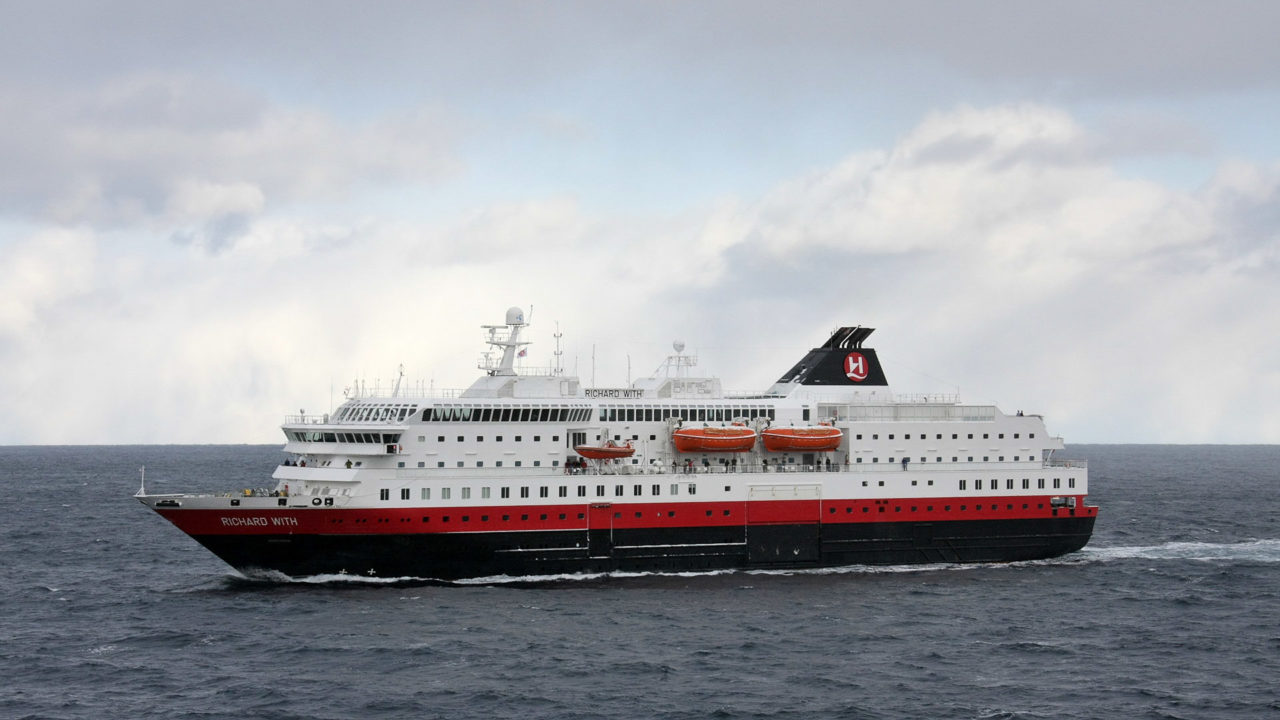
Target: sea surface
{"points": [[1172, 611]]}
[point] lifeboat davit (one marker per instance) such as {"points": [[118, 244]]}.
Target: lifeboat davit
{"points": [[714, 439], [609, 451], [821, 438]]}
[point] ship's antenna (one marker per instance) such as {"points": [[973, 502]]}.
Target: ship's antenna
{"points": [[558, 352], [628, 369], [593, 364], [395, 392], [142, 489]]}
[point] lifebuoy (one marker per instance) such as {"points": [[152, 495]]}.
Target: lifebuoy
{"points": [[315, 501]]}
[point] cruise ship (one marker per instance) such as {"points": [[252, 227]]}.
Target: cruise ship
{"points": [[529, 472]]}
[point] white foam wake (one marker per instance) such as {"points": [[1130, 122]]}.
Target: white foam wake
{"points": [[1267, 550]]}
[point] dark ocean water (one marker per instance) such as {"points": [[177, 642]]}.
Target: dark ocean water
{"points": [[1172, 611]]}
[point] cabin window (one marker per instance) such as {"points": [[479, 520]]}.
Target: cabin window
{"points": [[426, 493], [524, 492], [466, 493], [445, 493], [404, 493], [384, 494]]}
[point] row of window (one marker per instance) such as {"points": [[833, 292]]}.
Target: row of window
{"points": [[562, 414], [954, 436], [955, 458], [480, 463], [496, 438], [346, 437], [1026, 484], [523, 516], [375, 413], [544, 491], [848, 510], [687, 413]]}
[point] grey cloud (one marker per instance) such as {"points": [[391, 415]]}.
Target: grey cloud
{"points": [[1057, 48], [119, 154]]}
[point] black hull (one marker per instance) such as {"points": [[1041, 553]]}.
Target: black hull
{"points": [[452, 556]]}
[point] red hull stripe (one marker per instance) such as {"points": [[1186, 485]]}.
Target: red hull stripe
{"points": [[584, 516]]}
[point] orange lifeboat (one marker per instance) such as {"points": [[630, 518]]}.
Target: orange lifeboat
{"points": [[822, 438], [714, 439], [609, 451]]}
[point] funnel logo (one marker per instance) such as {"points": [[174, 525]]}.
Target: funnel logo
{"points": [[855, 367]]}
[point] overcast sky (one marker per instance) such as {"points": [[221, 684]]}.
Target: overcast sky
{"points": [[212, 214]]}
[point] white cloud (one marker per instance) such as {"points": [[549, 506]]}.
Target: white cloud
{"points": [[1012, 265], [46, 269]]}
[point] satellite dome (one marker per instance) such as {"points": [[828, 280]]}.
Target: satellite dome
{"points": [[678, 345], [515, 316]]}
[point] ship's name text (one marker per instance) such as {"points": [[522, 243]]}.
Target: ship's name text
{"points": [[258, 521], [614, 393]]}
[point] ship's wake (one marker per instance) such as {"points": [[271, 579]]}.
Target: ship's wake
{"points": [[1265, 551]]}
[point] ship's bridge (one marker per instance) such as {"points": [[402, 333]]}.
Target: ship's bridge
{"points": [[331, 439]]}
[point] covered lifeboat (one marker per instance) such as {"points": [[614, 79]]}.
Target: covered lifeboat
{"points": [[814, 438], [736, 438], [608, 451]]}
